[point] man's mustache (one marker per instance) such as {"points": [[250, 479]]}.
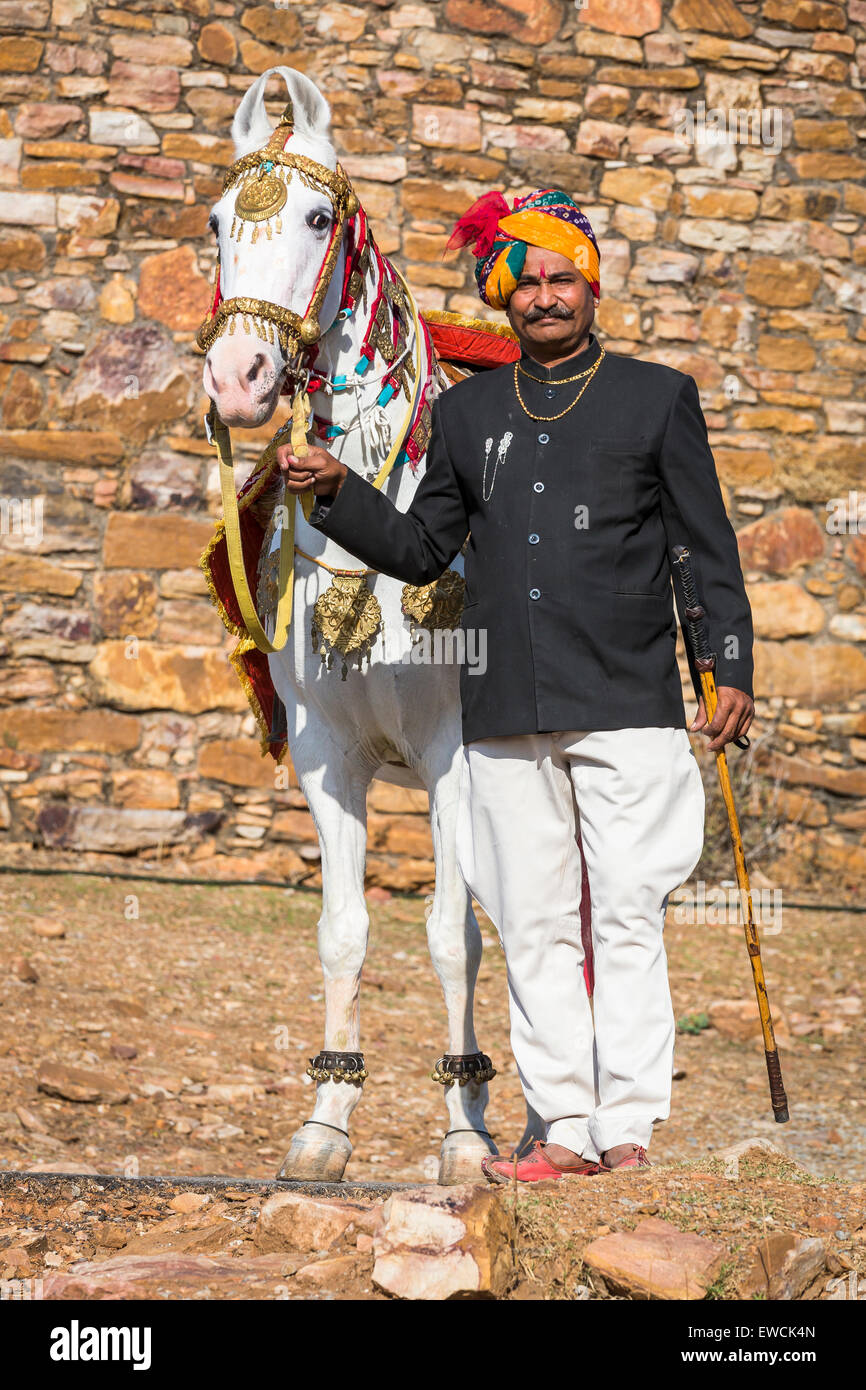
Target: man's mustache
{"points": [[556, 311]]}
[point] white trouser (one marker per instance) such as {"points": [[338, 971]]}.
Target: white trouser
{"points": [[637, 798]]}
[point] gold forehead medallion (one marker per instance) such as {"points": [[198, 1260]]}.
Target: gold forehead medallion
{"points": [[261, 197]]}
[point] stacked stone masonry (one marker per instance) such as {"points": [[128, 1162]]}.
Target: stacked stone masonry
{"points": [[740, 261]]}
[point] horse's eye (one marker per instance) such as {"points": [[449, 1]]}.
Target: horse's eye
{"points": [[213, 224], [319, 221]]}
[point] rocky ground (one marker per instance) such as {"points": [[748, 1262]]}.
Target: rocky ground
{"points": [[156, 1029]]}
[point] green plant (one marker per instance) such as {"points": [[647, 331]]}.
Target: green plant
{"points": [[693, 1023]]}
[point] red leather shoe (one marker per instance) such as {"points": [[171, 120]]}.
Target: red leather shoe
{"points": [[536, 1167], [638, 1159]]}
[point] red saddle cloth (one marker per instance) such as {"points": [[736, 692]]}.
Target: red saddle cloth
{"points": [[471, 342]]}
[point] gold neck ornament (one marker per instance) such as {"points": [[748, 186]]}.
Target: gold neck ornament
{"points": [[591, 373]]}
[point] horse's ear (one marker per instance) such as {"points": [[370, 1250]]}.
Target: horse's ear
{"points": [[251, 127]]}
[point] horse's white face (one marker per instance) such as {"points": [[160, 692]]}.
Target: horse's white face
{"points": [[243, 374]]}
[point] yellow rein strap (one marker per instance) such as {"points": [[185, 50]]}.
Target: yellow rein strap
{"points": [[300, 448], [234, 546]]}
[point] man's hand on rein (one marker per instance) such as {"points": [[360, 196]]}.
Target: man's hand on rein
{"points": [[318, 469]]}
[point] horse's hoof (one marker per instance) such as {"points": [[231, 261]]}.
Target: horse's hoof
{"points": [[461, 1162], [317, 1154]]}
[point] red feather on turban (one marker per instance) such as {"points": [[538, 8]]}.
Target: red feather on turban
{"points": [[480, 222]]}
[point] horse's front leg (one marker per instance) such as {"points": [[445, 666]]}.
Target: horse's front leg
{"points": [[454, 939], [321, 1148]]}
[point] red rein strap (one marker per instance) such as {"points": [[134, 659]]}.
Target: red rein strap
{"points": [[217, 292], [355, 238]]}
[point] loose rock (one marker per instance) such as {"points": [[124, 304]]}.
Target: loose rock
{"points": [[291, 1221], [656, 1260], [323, 1272], [446, 1244], [189, 1201], [74, 1083], [739, 1020], [49, 928], [783, 1266]]}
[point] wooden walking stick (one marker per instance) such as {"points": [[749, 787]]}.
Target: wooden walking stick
{"points": [[705, 662]]}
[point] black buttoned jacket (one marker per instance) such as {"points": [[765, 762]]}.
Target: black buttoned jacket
{"points": [[572, 527]]}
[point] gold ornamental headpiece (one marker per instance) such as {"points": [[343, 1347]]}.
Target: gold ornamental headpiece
{"points": [[266, 175]]}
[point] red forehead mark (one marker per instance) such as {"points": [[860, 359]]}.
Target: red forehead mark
{"points": [[542, 272]]}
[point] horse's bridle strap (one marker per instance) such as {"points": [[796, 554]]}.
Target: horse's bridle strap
{"points": [[288, 322], [333, 181], [295, 330]]}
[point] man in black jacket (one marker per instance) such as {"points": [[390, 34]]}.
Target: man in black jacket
{"points": [[576, 472]]}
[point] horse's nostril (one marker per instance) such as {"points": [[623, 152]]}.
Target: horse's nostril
{"points": [[257, 363]]}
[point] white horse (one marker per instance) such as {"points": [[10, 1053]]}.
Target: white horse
{"points": [[396, 718]]}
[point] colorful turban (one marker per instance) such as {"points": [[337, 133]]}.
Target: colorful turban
{"points": [[546, 218]]}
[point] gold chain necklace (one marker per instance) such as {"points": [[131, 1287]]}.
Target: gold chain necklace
{"points": [[560, 381], [547, 418]]}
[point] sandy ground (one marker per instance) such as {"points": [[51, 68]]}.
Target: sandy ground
{"points": [[220, 987]]}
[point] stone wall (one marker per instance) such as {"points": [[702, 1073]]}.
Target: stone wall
{"points": [[742, 262]]}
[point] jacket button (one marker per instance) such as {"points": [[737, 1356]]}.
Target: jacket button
{"points": [[535, 593], [550, 393], [538, 487], [544, 438], [533, 539]]}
